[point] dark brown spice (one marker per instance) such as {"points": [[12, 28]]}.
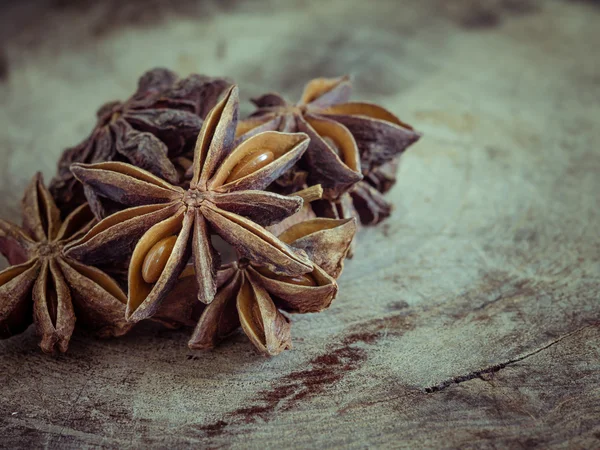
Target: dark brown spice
{"points": [[252, 296], [49, 288], [235, 209], [349, 141], [159, 122]]}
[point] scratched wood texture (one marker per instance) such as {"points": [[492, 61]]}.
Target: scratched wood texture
{"points": [[470, 319]]}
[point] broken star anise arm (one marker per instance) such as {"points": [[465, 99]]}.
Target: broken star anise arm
{"points": [[383, 177], [371, 205]]}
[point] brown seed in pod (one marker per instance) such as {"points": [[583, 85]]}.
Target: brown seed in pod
{"points": [[154, 126], [349, 140], [235, 208], [49, 288], [253, 296]]}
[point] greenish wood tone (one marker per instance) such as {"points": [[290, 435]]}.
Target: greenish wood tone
{"points": [[470, 319]]}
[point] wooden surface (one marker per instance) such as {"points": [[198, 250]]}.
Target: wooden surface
{"points": [[470, 319]]}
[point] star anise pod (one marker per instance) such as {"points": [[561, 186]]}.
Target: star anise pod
{"points": [[253, 297], [225, 197], [370, 204], [383, 177], [347, 139], [46, 286], [157, 123], [367, 196], [181, 307]]}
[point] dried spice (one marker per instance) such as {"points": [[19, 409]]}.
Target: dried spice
{"points": [[47, 287], [225, 197], [253, 296], [383, 177], [157, 123], [180, 202], [181, 307], [367, 196], [349, 140]]}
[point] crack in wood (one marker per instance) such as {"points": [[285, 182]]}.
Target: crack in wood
{"points": [[497, 367], [67, 423], [492, 244]]}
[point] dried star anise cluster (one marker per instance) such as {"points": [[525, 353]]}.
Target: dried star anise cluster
{"points": [[218, 225], [353, 151], [152, 130]]}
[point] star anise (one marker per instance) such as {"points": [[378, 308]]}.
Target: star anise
{"points": [[347, 139], [367, 196], [181, 307], [225, 197], [252, 296], [383, 177], [46, 286], [157, 123]]}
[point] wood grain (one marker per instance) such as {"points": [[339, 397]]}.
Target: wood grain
{"points": [[469, 319]]}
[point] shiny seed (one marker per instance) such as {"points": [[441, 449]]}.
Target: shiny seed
{"points": [[305, 279], [156, 259], [250, 164]]}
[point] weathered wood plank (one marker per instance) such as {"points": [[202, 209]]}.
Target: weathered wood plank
{"points": [[471, 318]]}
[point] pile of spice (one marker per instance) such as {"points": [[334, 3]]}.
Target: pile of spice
{"points": [[175, 211]]}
